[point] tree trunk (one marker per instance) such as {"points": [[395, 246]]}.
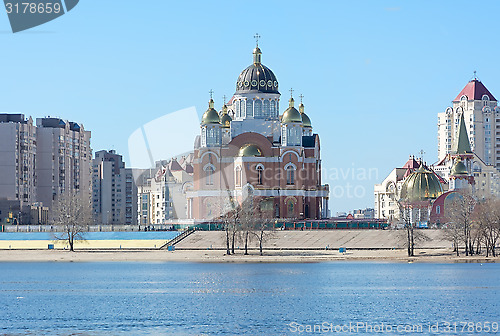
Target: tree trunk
{"points": [[260, 241], [246, 243], [466, 242], [232, 241], [408, 242], [228, 251], [412, 243], [70, 240]]}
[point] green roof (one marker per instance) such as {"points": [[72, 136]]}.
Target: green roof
{"points": [[461, 144], [421, 185]]}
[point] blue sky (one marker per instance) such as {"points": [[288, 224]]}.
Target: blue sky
{"points": [[374, 74]]}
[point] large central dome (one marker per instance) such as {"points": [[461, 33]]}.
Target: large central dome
{"points": [[257, 77]]}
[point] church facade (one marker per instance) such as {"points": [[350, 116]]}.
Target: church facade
{"points": [[249, 149]]}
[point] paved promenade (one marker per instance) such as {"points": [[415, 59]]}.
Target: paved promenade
{"points": [[320, 239]]}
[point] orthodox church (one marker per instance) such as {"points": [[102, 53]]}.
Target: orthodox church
{"points": [[431, 188], [249, 148]]}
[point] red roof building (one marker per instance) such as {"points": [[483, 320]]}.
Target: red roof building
{"points": [[474, 90]]}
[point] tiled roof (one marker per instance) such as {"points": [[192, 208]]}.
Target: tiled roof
{"points": [[474, 90]]}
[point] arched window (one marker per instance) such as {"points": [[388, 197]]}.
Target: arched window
{"points": [[266, 112], [249, 109], [273, 109], [290, 209], [294, 134], [242, 108], [237, 176], [209, 175], [438, 209], [260, 173], [290, 175], [257, 107], [237, 109], [485, 100], [463, 102]]}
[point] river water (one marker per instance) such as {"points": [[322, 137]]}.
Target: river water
{"points": [[339, 298]]}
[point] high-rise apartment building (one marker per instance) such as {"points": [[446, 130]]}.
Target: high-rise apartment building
{"points": [[114, 192], [482, 120], [63, 158], [18, 148], [37, 163]]}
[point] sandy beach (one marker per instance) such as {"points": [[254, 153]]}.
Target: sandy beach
{"points": [[219, 256]]}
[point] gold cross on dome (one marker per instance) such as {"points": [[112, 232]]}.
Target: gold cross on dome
{"points": [[257, 37], [224, 98], [291, 92], [211, 93], [301, 96]]}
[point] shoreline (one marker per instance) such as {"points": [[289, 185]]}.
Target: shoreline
{"points": [[219, 256]]}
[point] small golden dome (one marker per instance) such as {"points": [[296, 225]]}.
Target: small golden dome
{"points": [[210, 116], [459, 168], [250, 150], [305, 119], [225, 120], [291, 115]]}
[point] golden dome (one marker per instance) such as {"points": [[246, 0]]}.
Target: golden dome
{"points": [[459, 168], [305, 119], [421, 185], [210, 116], [225, 119], [291, 114], [250, 150]]}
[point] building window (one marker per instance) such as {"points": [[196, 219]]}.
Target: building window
{"points": [[290, 175], [290, 209], [209, 175], [258, 108], [260, 172], [438, 209], [237, 109], [293, 136], [266, 113], [237, 174], [485, 99], [249, 109], [242, 108]]}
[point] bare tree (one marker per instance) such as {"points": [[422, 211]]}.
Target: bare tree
{"points": [[459, 220], [71, 215], [487, 217], [410, 213], [230, 225], [453, 232], [247, 221], [264, 226]]}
